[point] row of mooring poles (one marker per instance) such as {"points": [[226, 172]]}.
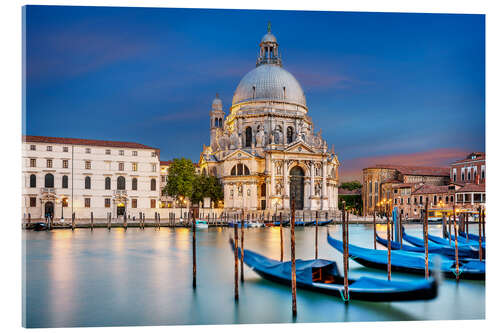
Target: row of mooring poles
{"points": [[345, 241], [389, 247], [481, 217], [294, 279], [456, 242]]}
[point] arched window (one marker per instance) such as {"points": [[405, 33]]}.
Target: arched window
{"points": [[49, 180], [153, 184], [289, 134], [134, 184], [247, 172], [120, 183], [87, 183], [65, 181], [240, 169], [220, 122], [248, 137], [107, 183], [233, 171], [33, 181], [216, 122], [263, 190]]}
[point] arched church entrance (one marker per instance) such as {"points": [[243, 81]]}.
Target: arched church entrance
{"points": [[297, 187], [49, 209]]}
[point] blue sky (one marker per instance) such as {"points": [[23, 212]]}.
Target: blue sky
{"points": [[379, 85]]}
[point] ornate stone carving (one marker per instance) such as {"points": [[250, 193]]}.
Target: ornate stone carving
{"points": [[260, 138]]}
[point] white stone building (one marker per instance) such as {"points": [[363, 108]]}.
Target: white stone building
{"points": [[63, 175], [265, 151]]}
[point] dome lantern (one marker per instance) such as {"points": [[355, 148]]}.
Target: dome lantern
{"points": [[269, 53]]}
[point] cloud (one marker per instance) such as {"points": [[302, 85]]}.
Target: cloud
{"points": [[442, 157]]}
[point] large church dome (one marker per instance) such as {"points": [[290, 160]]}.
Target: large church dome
{"points": [[269, 82]]}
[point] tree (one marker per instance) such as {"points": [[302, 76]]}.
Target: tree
{"points": [[207, 187], [181, 178], [353, 185]]}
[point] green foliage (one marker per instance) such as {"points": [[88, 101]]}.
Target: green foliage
{"points": [[355, 184], [207, 187], [181, 178], [352, 202]]}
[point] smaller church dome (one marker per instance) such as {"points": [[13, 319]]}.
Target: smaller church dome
{"points": [[217, 103], [269, 38]]}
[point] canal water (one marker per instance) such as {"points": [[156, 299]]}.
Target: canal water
{"points": [[143, 277]]}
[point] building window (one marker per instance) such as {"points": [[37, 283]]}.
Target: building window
{"points": [[107, 202], [153, 154], [134, 184], [451, 198], [49, 148], [87, 202], [153, 167], [49, 163], [446, 199], [153, 184], [64, 181], [248, 137], [434, 200], [153, 203], [289, 134], [32, 181], [240, 170], [463, 175], [88, 165], [120, 166], [468, 174], [49, 180], [108, 151], [163, 178], [414, 200], [33, 162], [263, 190], [395, 201], [32, 201], [32, 147], [87, 150], [134, 203], [482, 171], [65, 164], [65, 149], [107, 183], [121, 152], [408, 201], [87, 183], [134, 153], [134, 166], [120, 183], [421, 200]]}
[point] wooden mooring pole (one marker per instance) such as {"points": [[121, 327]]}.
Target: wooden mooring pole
{"points": [[194, 250], [125, 221], [426, 237], [29, 220], [400, 231], [389, 234], [480, 236], [91, 220], [456, 243], [294, 278], [242, 245], [281, 236], [374, 231], [236, 250], [346, 253], [73, 221], [467, 225], [316, 239], [109, 221], [159, 221]]}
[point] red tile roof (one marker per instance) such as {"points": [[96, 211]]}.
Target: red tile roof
{"points": [[471, 187], [166, 162], [85, 142], [414, 170], [432, 189], [479, 157]]}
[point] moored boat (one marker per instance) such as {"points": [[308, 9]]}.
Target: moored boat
{"points": [[464, 251], [323, 276], [412, 262], [201, 224]]}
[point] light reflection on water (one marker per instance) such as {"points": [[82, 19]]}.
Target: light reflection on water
{"points": [[143, 277]]}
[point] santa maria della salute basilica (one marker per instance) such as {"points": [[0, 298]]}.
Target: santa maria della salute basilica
{"points": [[265, 151]]}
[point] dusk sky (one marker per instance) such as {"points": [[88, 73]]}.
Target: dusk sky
{"points": [[383, 87]]}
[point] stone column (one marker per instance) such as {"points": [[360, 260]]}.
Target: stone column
{"points": [[324, 198], [273, 182], [286, 185], [312, 170]]}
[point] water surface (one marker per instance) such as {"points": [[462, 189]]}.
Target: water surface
{"points": [[144, 277]]}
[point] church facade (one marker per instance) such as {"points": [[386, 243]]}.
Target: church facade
{"points": [[265, 151]]}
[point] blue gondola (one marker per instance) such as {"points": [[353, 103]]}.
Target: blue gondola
{"points": [[323, 276], [411, 262], [302, 223], [231, 224], [472, 237], [464, 251], [463, 241]]}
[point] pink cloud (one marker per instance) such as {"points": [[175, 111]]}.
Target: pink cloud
{"points": [[442, 157]]}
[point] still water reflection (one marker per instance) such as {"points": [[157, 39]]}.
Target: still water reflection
{"points": [[143, 277]]}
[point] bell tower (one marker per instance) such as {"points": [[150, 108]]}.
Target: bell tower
{"points": [[216, 118]]}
